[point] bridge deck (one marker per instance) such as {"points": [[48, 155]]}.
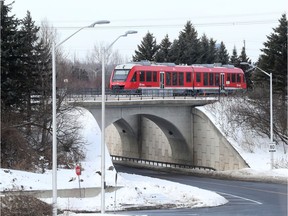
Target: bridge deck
{"points": [[143, 101]]}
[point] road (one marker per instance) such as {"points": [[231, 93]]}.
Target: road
{"points": [[245, 198]]}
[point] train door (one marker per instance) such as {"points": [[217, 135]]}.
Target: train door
{"points": [[161, 79], [222, 81]]}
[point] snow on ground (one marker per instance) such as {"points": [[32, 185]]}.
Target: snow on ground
{"points": [[135, 190], [138, 190]]}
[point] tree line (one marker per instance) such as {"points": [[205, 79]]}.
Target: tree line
{"points": [[26, 121], [187, 49]]}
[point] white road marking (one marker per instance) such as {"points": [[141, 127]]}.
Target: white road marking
{"points": [[243, 198]]}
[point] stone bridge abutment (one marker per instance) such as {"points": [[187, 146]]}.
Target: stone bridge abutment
{"points": [[165, 131]]}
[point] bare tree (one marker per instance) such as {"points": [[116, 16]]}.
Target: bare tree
{"points": [[69, 140], [253, 111], [94, 61]]}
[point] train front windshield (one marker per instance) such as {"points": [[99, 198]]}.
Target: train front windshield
{"points": [[120, 74]]}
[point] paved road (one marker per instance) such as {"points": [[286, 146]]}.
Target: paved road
{"points": [[245, 198]]}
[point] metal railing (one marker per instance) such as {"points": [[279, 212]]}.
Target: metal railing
{"points": [[95, 94], [116, 158]]}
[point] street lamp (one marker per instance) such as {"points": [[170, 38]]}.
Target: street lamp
{"points": [[272, 145], [103, 122], [54, 124]]}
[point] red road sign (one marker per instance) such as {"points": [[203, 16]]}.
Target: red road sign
{"points": [[78, 170]]}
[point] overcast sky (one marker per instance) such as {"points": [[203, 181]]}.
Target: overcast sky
{"points": [[229, 21]]}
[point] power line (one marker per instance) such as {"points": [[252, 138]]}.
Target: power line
{"points": [[245, 15], [214, 24]]}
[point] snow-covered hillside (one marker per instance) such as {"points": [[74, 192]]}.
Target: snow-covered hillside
{"points": [[253, 147]]}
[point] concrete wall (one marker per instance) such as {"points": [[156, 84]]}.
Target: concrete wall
{"points": [[123, 137], [143, 130], [151, 142], [211, 148]]}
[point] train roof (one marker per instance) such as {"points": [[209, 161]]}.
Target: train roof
{"points": [[197, 67]]}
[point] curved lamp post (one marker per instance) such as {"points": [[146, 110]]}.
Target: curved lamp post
{"points": [[54, 124], [103, 122], [272, 145]]}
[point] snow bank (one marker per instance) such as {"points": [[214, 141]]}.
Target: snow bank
{"points": [[136, 191]]}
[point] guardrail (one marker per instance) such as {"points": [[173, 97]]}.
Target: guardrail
{"points": [[96, 94], [116, 158]]}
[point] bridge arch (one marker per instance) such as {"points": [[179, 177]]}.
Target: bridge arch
{"points": [[147, 136]]}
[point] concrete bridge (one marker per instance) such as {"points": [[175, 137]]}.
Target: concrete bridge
{"points": [[165, 129]]}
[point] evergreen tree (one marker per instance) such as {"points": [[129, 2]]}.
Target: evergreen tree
{"points": [[163, 55], [37, 59], [248, 73], [274, 58], [243, 56], [222, 54], [212, 54], [26, 97], [234, 60], [14, 146], [10, 55], [186, 48], [175, 52], [147, 50], [30, 75], [204, 50]]}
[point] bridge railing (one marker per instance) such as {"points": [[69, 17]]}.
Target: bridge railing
{"points": [[96, 94], [116, 158]]}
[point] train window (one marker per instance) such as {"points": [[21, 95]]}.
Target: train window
{"points": [[148, 76], [155, 76], [120, 75], [174, 82], [134, 77], [211, 79], [228, 77], [181, 78], [168, 78], [198, 77], [217, 83], [142, 76], [188, 77], [205, 79], [233, 78], [238, 78]]}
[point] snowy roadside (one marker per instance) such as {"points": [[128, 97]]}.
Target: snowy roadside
{"points": [[278, 176], [136, 191], [249, 174]]}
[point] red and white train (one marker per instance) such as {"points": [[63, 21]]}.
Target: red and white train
{"points": [[193, 79]]}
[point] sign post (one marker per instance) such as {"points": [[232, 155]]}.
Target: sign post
{"points": [[272, 147], [78, 173]]}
